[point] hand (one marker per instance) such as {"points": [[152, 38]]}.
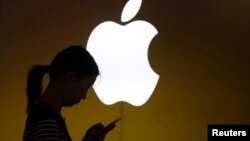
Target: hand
{"points": [[96, 132]]}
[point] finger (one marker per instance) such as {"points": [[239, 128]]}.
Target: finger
{"points": [[97, 126], [108, 129], [111, 127]]}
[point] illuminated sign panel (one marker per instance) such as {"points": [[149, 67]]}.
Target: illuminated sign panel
{"points": [[121, 52]]}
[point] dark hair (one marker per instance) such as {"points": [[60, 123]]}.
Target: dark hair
{"points": [[75, 58]]}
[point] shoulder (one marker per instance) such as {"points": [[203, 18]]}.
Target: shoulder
{"points": [[43, 110], [42, 122], [43, 113]]}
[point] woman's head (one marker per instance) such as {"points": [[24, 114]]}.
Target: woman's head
{"points": [[74, 63], [73, 59]]}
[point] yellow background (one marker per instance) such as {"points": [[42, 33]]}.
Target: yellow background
{"points": [[201, 54]]}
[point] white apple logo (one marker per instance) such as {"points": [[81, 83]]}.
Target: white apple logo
{"points": [[121, 52]]}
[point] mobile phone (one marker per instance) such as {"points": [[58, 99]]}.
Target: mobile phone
{"points": [[108, 126]]}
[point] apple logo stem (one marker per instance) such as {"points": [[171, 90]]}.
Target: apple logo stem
{"points": [[121, 52]]}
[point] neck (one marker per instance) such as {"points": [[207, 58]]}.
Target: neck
{"points": [[52, 97]]}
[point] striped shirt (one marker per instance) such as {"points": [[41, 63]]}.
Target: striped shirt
{"points": [[44, 123]]}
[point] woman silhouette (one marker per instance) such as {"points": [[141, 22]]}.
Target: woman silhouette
{"points": [[72, 72]]}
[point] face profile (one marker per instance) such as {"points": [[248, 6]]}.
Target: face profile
{"points": [[72, 73], [76, 90]]}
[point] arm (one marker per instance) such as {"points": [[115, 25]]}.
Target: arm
{"points": [[49, 129]]}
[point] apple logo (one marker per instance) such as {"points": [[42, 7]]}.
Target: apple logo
{"points": [[121, 53]]}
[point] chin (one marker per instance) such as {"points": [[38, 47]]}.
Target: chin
{"points": [[68, 104]]}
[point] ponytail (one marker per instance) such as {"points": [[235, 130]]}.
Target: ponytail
{"points": [[34, 84], [74, 58]]}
